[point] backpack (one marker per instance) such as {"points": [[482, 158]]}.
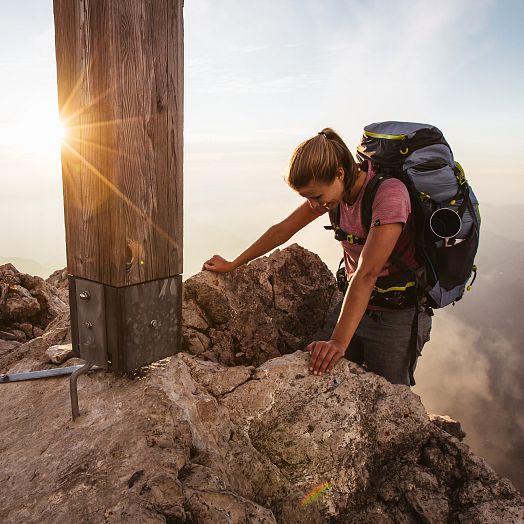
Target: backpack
{"points": [[445, 213]]}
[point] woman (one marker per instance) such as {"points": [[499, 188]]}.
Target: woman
{"points": [[323, 171]]}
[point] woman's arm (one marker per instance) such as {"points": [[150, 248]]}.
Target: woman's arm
{"points": [[377, 250], [272, 238]]}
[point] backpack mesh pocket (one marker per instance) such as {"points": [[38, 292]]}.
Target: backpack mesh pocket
{"points": [[455, 262]]}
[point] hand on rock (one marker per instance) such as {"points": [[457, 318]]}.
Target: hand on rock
{"points": [[324, 355], [218, 264]]}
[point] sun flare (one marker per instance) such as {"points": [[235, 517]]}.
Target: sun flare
{"points": [[39, 134]]}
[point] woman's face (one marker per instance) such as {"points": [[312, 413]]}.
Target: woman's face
{"points": [[322, 196]]}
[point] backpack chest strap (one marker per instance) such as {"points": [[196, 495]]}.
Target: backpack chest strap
{"points": [[367, 205], [342, 236]]}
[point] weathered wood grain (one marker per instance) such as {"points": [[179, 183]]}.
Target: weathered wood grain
{"points": [[120, 87]]}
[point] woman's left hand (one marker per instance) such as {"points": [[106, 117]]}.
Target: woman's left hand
{"points": [[324, 355]]}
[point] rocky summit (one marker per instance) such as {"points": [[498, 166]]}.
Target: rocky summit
{"points": [[234, 429]]}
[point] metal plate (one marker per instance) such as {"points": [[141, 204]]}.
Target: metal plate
{"points": [[91, 321], [151, 321]]}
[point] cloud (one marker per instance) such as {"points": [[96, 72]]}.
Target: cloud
{"points": [[228, 81], [473, 368], [403, 56], [476, 376]]}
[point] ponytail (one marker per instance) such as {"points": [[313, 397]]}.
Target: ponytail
{"points": [[318, 159]]}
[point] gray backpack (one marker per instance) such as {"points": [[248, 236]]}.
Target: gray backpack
{"points": [[445, 212]]}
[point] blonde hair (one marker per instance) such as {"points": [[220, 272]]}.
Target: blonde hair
{"points": [[318, 159]]}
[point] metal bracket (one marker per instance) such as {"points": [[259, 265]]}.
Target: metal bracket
{"points": [[122, 329]]}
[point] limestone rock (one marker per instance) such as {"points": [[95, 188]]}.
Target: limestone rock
{"points": [[194, 441], [27, 304], [45, 293], [7, 335], [256, 440], [59, 330], [448, 425], [58, 279], [272, 306], [28, 356], [6, 346], [60, 353], [19, 335], [19, 303]]}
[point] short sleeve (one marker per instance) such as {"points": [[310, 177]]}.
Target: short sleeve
{"points": [[391, 204]]}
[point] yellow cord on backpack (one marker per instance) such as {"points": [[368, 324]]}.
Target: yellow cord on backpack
{"points": [[394, 288]]}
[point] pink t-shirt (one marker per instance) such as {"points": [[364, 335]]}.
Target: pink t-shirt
{"points": [[391, 205]]}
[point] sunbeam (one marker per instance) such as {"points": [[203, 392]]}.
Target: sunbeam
{"points": [[121, 195]]}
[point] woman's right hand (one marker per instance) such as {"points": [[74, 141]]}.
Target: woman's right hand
{"points": [[218, 264], [275, 236]]}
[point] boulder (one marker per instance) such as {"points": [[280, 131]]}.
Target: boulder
{"points": [[58, 279], [239, 431], [271, 307], [27, 304], [195, 441]]}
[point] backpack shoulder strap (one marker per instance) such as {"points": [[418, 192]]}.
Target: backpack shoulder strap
{"points": [[367, 210], [367, 203], [369, 197], [334, 217]]}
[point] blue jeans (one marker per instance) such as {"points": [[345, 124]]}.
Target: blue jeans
{"points": [[382, 342]]}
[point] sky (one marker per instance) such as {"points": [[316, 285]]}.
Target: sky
{"points": [[261, 77]]}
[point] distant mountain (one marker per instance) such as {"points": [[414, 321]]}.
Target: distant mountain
{"points": [[26, 265]]}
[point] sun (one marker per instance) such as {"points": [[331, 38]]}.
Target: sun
{"points": [[39, 133]]}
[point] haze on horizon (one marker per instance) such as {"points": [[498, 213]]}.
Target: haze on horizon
{"points": [[260, 77]]}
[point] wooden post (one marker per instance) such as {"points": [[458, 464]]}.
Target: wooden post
{"points": [[120, 92]]}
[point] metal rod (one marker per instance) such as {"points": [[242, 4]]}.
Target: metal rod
{"points": [[73, 389], [41, 373]]}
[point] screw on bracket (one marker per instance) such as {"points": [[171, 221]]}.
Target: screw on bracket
{"points": [[155, 324], [85, 295], [88, 325]]}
